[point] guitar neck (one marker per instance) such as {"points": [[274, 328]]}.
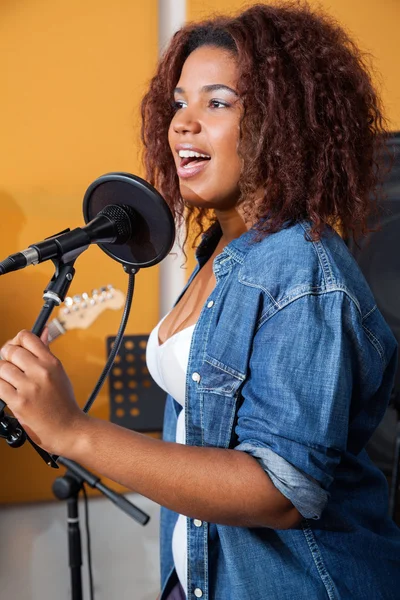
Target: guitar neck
{"points": [[55, 329], [79, 312]]}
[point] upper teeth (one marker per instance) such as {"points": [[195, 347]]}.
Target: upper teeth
{"points": [[191, 154]]}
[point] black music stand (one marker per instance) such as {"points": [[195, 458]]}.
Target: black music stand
{"points": [[136, 401]]}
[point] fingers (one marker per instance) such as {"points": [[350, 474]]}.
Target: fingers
{"points": [[29, 354], [8, 393], [15, 389], [30, 341], [21, 358], [45, 336], [11, 374]]}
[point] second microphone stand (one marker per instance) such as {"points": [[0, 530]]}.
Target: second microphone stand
{"points": [[68, 488]]}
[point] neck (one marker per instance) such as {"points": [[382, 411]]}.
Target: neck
{"points": [[232, 224]]}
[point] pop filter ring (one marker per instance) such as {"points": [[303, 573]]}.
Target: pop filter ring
{"points": [[154, 218]]}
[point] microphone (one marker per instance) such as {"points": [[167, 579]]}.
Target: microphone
{"points": [[131, 222], [114, 224], [124, 215]]}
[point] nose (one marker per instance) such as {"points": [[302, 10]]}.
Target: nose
{"points": [[186, 121]]}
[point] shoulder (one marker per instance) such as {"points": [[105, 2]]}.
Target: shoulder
{"points": [[287, 266], [314, 282]]}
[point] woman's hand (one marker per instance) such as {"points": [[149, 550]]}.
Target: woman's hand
{"points": [[36, 388]]}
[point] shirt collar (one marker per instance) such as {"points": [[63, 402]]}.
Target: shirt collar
{"points": [[238, 247]]}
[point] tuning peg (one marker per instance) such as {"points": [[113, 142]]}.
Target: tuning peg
{"points": [[77, 298], [68, 301], [85, 300]]}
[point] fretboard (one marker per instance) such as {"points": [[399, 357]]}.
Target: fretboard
{"points": [[55, 329]]}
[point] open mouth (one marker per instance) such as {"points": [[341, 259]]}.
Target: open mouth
{"points": [[191, 162]]}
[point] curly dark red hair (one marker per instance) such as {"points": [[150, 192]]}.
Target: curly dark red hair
{"points": [[311, 127]]}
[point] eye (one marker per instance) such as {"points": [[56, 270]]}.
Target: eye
{"points": [[177, 104], [218, 104]]}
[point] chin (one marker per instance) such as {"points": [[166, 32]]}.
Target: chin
{"points": [[194, 199], [202, 199]]}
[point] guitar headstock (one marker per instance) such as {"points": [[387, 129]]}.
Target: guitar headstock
{"points": [[80, 311]]}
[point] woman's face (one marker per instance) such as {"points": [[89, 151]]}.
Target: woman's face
{"points": [[206, 122]]}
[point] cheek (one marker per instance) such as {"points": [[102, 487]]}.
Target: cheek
{"points": [[226, 146], [229, 163], [170, 138], [173, 137]]}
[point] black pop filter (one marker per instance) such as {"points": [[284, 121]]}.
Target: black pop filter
{"points": [[153, 225]]}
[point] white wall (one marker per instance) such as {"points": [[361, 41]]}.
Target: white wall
{"points": [[34, 551], [171, 16]]}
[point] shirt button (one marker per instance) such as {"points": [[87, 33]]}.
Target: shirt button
{"points": [[210, 304], [198, 523], [198, 593], [196, 377]]}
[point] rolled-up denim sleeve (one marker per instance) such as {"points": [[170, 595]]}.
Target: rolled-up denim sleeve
{"points": [[305, 366], [304, 492]]}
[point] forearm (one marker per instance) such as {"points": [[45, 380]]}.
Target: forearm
{"points": [[211, 484]]}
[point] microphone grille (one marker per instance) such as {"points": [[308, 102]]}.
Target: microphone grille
{"points": [[122, 217]]}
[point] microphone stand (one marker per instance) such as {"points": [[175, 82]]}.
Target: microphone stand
{"points": [[69, 486], [54, 295]]}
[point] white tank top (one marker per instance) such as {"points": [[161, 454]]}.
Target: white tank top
{"points": [[167, 364]]}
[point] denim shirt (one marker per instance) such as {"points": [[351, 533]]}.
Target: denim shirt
{"points": [[291, 362]]}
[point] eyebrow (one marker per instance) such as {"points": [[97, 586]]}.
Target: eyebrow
{"points": [[210, 88]]}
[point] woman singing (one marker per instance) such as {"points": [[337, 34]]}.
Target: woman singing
{"points": [[261, 131]]}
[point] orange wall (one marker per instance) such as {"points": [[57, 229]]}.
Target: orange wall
{"points": [[373, 25], [72, 77]]}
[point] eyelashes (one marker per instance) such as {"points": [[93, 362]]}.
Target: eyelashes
{"points": [[213, 103], [176, 105], [220, 102]]}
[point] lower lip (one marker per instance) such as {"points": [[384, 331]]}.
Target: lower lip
{"points": [[187, 172]]}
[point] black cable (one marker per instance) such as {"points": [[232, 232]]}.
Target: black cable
{"points": [[92, 398], [88, 543], [116, 345]]}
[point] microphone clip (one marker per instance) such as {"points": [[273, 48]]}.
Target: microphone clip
{"points": [[11, 430]]}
